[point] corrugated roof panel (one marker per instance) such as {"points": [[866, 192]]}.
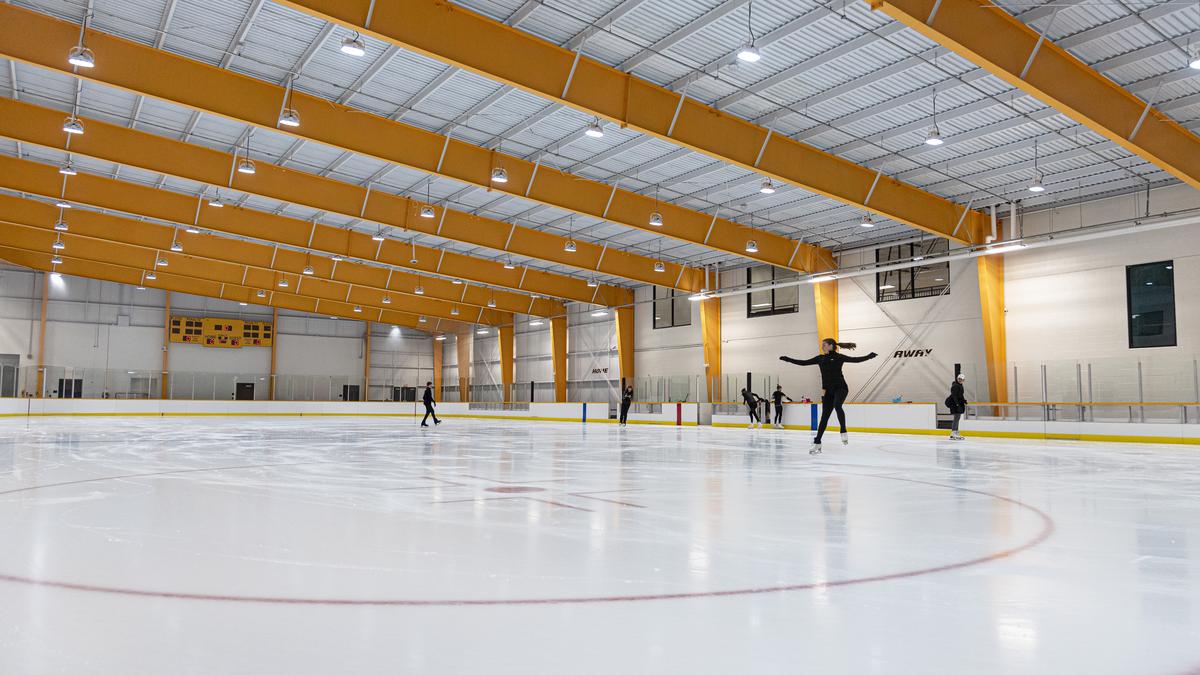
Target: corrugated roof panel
{"points": [[205, 30]]}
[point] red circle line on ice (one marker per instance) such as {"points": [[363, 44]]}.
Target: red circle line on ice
{"points": [[1046, 531]]}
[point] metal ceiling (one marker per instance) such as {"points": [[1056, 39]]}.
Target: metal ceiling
{"points": [[837, 76]]}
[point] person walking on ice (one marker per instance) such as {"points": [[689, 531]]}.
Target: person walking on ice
{"points": [[834, 389], [778, 396], [957, 403], [429, 405]]}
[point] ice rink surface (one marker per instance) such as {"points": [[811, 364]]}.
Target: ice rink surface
{"points": [[367, 545]]}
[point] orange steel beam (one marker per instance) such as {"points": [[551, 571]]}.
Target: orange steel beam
{"points": [[366, 393], [625, 331], [237, 261], [88, 247], [274, 345], [166, 353], [558, 357], [131, 276], [41, 362], [507, 360], [40, 40], [464, 39], [36, 125], [825, 299], [994, 40], [439, 352], [465, 345], [41, 179]]}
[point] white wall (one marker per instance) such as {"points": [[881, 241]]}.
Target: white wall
{"points": [[95, 326]]}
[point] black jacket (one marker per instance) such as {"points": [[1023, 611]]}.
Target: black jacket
{"points": [[779, 396], [751, 398], [831, 367], [957, 400], [428, 397], [626, 398]]}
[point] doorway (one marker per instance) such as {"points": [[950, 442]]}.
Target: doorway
{"points": [[10, 365], [70, 388], [245, 391], [349, 392]]}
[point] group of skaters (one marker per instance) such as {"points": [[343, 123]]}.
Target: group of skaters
{"points": [[834, 391]]}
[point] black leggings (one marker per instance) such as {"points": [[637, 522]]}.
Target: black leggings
{"points": [[957, 417], [428, 413], [624, 411], [779, 413], [832, 400], [753, 410]]}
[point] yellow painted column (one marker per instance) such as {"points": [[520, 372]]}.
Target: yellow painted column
{"points": [[274, 343], [166, 343], [625, 343], [558, 356], [464, 367], [825, 298], [991, 302], [366, 361], [507, 360], [41, 362], [439, 348], [710, 331]]}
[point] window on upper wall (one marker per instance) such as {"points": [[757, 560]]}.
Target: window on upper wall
{"points": [[1150, 296], [769, 302], [922, 281], [671, 308]]}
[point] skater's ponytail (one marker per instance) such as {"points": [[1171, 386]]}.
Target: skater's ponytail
{"points": [[839, 345]]}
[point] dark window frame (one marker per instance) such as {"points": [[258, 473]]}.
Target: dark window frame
{"points": [[775, 310], [671, 298], [1171, 324], [911, 291]]}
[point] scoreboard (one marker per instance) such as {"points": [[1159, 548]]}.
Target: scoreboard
{"points": [[224, 333]]}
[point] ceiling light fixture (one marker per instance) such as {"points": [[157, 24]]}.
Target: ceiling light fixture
{"points": [[307, 271], [492, 302], [161, 262], [660, 266], [439, 338], [751, 246], [656, 219], [192, 229], [592, 283], [261, 293], [508, 264], [570, 246], [151, 276], [866, 221], [289, 118], [594, 130], [55, 260], [246, 166], [176, 247], [421, 319], [453, 311], [61, 225], [62, 204], [358, 309], [387, 300], [599, 313], [352, 46], [67, 170], [283, 283], [749, 53], [499, 175], [481, 331], [419, 290], [427, 211], [934, 138], [536, 322], [378, 236], [1036, 185], [82, 57], [58, 244], [72, 125], [767, 187]]}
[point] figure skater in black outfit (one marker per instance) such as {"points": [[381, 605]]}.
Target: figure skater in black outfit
{"points": [[957, 403], [834, 389], [626, 401], [778, 395], [752, 400], [427, 399]]}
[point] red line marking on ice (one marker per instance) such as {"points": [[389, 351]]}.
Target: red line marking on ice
{"points": [[1045, 533]]}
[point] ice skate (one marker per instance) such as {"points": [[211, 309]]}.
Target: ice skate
{"points": [[845, 439], [815, 449]]}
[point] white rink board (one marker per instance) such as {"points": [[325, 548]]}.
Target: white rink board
{"points": [[896, 417]]}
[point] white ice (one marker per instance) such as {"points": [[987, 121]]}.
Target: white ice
{"points": [[367, 545]]}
